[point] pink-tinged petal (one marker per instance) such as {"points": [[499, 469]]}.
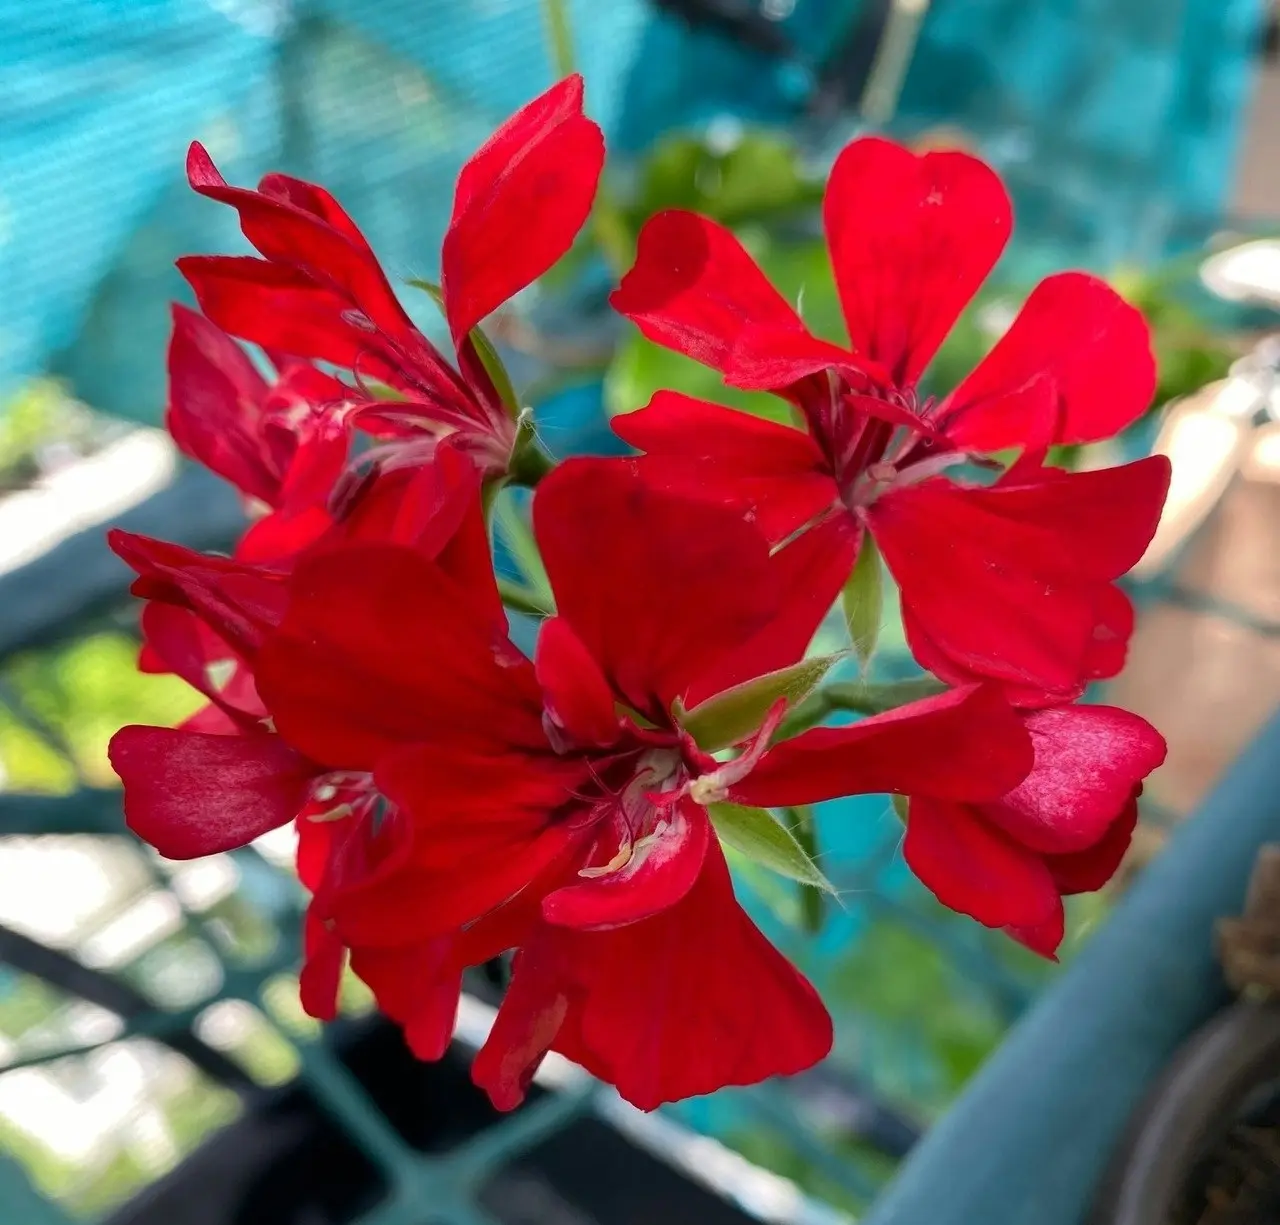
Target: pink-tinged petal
{"points": [[241, 603], [809, 573], [775, 359], [215, 406], [324, 957], [718, 454], [974, 868], [1088, 870], [278, 308], [1094, 347], [520, 202], [1031, 559], [657, 588], [656, 1008], [578, 700], [912, 237], [417, 986], [1088, 760], [965, 744], [661, 871], [190, 794], [380, 648], [694, 288], [1043, 938]]}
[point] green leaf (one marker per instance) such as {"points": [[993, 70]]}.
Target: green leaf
{"points": [[517, 535], [760, 836], [863, 600], [733, 715], [899, 807], [487, 354]]}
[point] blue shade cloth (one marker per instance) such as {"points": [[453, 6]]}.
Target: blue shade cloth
{"points": [[1117, 124]]}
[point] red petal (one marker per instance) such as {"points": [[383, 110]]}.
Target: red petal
{"points": [[774, 359], [1113, 627], [575, 693], [482, 830], [721, 455], [694, 288], [1088, 760], [380, 648], [1043, 938], [658, 589], [808, 573], [215, 405], [305, 240], [418, 987], [912, 238], [323, 959], [239, 602], [276, 307], [190, 794], [190, 649], [1094, 346], [1030, 559], [657, 1008], [1088, 870], [657, 877], [520, 202], [966, 744], [975, 869]]}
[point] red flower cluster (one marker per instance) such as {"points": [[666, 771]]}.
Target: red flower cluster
{"points": [[455, 799]]}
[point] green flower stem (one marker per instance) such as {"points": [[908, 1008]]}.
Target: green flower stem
{"points": [[858, 696], [519, 598], [555, 15], [805, 829]]}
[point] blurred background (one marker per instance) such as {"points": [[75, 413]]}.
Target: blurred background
{"points": [[155, 1067]]}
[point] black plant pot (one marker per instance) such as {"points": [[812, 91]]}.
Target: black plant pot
{"points": [[1204, 1147]]}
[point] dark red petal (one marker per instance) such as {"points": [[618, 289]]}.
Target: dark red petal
{"points": [[808, 573], [1113, 627], [276, 307], [190, 794], [304, 240], [774, 359], [656, 1008], [215, 406], [379, 648], [184, 645], [1088, 760], [417, 986], [577, 697], [520, 202], [659, 875], [1088, 870], [1089, 341], [975, 869], [965, 744], [241, 603], [1043, 938], [721, 455], [1031, 559], [912, 237], [323, 958], [656, 588], [694, 288]]}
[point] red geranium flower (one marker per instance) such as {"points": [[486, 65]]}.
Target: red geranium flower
{"points": [[1007, 861], [283, 444], [1013, 581], [563, 800], [319, 292]]}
